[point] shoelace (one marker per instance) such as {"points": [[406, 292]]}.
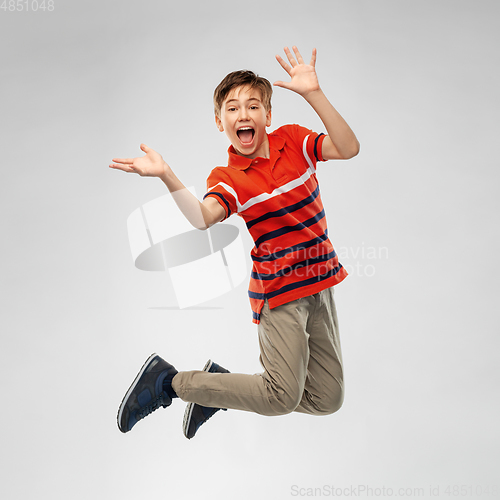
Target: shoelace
{"points": [[150, 408]]}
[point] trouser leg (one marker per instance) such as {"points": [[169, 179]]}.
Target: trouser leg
{"points": [[285, 385], [324, 385], [276, 391]]}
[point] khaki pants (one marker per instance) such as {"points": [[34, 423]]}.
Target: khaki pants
{"points": [[300, 353]]}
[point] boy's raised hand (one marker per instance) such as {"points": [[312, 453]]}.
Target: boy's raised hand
{"points": [[304, 79], [151, 165]]}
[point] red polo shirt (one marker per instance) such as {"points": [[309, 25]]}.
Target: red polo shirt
{"points": [[279, 199]]}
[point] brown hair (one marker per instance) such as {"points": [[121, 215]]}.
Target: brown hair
{"points": [[237, 79]]}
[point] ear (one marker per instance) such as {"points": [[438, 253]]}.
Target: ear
{"points": [[268, 118], [218, 122]]}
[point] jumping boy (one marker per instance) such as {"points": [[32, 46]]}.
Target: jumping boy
{"points": [[270, 181]]}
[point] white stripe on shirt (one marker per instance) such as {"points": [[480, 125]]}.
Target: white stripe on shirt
{"points": [[278, 191]]}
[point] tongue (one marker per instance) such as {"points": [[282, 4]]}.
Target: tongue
{"points": [[245, 136]]}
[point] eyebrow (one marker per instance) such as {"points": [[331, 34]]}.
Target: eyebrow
{"points": [[236, 100]]}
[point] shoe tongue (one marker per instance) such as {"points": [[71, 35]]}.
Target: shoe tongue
{"points": [[245, 135]]}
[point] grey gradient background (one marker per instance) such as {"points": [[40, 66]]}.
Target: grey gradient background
{"points": [[417, 81]]}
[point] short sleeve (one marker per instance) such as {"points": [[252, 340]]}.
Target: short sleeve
{"points": [[219, 186], [310, 143], [315, 145]]}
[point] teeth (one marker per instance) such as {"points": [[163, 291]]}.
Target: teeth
{"points": [[246, 128]]}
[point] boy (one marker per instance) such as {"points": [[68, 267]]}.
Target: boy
{"points": [[271, 182]]}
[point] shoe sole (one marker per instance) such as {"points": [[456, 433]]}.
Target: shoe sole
{"points": [[189, 408], [131, 388]]}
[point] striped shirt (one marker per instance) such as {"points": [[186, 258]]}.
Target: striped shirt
{"points": [[279, 200]]}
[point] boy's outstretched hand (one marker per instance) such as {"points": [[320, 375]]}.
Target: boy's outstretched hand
{"points": [[304, 79], [151, 165]]}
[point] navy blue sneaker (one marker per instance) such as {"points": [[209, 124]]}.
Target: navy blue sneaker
{"points": [[146, 394], [196, 415]]}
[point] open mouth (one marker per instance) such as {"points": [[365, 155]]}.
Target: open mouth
{"points": [[245, 135]]}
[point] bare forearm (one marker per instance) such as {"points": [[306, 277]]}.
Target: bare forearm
{"points": [[338, 130], [200, 215], [195, 212]]}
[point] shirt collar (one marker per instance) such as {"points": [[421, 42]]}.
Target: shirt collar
{"points": [[276, 144]]}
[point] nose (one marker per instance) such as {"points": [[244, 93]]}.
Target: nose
{"points": [[243, 116]]}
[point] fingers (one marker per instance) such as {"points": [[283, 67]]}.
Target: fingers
{"points": [[282, 84], [297, 55], [124, 164], [124, 168], [129, 161], [290, 57], [284, 65], [127, 164], [295, 61], [313, 58], [124, 161]]}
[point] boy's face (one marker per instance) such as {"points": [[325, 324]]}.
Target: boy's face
{"points": [[244, 119]]}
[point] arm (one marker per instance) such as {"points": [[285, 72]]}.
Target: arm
{"points": [[201, 215], [341, 143]]}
